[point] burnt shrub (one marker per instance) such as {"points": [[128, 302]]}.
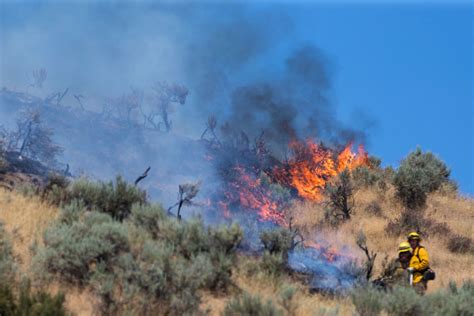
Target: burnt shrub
{"points": [[340, 195], [460, 244], [419, 174], [115, 199], [250, 305]]}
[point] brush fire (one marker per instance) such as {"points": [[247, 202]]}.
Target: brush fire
{"points": [[260, 187]]}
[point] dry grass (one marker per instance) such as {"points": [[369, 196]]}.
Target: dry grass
{"points": [[25, 219]]}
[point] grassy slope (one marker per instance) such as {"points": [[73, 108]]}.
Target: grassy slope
{"points": [[26, 218]]}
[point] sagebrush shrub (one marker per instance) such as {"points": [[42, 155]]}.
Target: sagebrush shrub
{"points": [[287, 300], [277, 240], [150, 259], [115, 199], [55, 190], [402, 301], [71, 250], [365, 177], [27, 303], [149, 217], [419, 174], [273, 263], [250, 305], [367, 301]]}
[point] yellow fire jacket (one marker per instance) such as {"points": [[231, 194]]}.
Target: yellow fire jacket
{"points": [[419, 262]]}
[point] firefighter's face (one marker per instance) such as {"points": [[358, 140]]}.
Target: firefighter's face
{"points": [[404, 256], [413, 243]]}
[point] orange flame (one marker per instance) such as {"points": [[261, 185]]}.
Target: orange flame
{"points": [[312, 165], [252, 195], [330, 253]]}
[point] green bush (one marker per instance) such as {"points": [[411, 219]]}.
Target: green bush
{"points": [[56, 189], [71, 250], [115, 199], [150, 218], [287, 301], [7, 300], [147, 261], [419, 174], [247, 305], [365, 177], [277, 240], [367, 301], [28, 303], [403, 301], [273, 263]]}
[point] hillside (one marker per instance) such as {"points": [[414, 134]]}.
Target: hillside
{"points": [[27, 217]]}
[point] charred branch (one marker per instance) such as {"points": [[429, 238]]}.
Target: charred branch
{"points": [[370, 255], [143, 176]]}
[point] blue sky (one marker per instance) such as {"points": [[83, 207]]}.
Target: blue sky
{"points": [[410, 68], [403, 72]]}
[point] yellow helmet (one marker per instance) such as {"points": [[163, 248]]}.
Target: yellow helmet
{"points": [[413, 235], [404, 247]]}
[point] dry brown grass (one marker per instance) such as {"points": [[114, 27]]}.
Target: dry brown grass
{"points": [[25, 219]]}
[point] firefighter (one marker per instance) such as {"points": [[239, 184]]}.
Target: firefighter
{"points": [[400, 275], [396, 273], [419, 263]]}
